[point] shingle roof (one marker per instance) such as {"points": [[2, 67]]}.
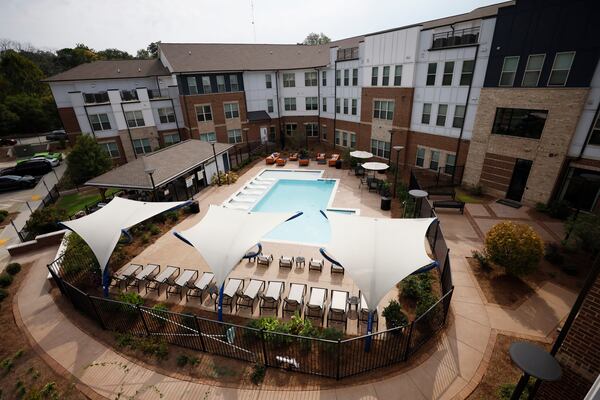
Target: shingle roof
{"points": [[168, 163], [258, 116], [112, 69]]}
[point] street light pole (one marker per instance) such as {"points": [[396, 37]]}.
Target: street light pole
{"points": [[398, 149], [245, 130], [216, 163], [150, 172], [391, 141]]}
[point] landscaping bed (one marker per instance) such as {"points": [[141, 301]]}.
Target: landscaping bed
{"points": [[75, 202]]}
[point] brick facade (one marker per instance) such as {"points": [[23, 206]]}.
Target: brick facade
{"points": [[148, 132], [69, 120], [117, 139]]}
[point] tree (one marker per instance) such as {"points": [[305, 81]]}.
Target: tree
{"points": [[87, 160], [114, 54], [20, 75], [143, 54], [35, 113], [45, 220], [316, 38], [8, 120], [68, 58], [153, 49]]}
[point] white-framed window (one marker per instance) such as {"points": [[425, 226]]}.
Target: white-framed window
{"points": [[431, 71], [337, 135], [337, 105], [338, 77], [426, 115], [385, 79], [398, 75], [450, 163], [434, 162], [533, 69], [234, 85], [441, 115], [561, 68], [466, 75], [459, 116], [221, 83], [290, 129], [324, 104], [448, 73], [311, 78], [420, 161], [206, 86], [353, 140], [374, 76], [142, 146], [171, 138], [112, 149], [204, 113], [268, 81], [354, 76], [324, 78], [232, 110], [289, 103], [289, 79], [383, 109], [595, 136], [192, 86], [312, 129], [345, 139], [100, 122], [134, 118], [380, 148], [166, 115], [208, 137], [270, 105], [509, 69], [345, 106], [324, 132], [354, 106], [234, 136], [346, 77], [312, 103]]}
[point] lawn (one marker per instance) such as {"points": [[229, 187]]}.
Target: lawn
{"points": [[75, 202], [467, 198]]}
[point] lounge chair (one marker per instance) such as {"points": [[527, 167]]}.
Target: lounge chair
{"points": [[333, 160], [261, 259], [338, 309], [295, 298], [230, 292], [286, 262], [251, 293], [280, 162], [182, 282], [294, 157], [337, 269], [321, 158], [315, 308], [271, 298], [125, 275], [363, 313], [315, 264], [303, 162], [148, 272], [201, 286], [270, 160], [169, 273]]}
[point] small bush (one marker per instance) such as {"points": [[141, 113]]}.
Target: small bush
{"points": [[556, 209], [585, 232], [131, 298], [152, 346], [193, 361], [331, 334], [552, 254], [3, 215], [160, 218], [425, 303], [415, 286], [394, 317], [124, 339], [5, 279], [300, 327], [258, 374], [3, 294], [476, 190], [146, 238], [154, 230], [172, 215], [481, 259], [182, 360], [13, 268]]}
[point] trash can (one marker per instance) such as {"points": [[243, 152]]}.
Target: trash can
{"points": [[194, 207], [338, 164], [386, 203]]}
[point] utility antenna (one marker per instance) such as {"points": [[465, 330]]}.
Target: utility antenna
{"points": [[252, 16]]}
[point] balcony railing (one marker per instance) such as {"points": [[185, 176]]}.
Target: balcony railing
{"points": [[94, 98], [157, 94], [129, 95], [461, 37], [349, 53]]}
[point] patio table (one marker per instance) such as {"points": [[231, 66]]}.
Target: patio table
{"points": [[300, 261]]}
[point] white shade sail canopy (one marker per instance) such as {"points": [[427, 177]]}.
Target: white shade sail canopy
{"points": [[102, 229], [361, 154], [378, 252], [224, 236], [375, 166]]}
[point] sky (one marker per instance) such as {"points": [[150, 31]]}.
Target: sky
{"points": [[132, 24]]}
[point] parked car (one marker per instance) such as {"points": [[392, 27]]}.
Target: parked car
{"points": [[59, 134], [53, 161], [14, 182], [48, 154], [28, 167], [7, 142]]}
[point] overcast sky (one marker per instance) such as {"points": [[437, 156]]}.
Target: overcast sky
{"points": [[132, 24]]}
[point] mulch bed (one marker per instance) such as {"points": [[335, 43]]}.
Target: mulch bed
{"points": [[11, 216]]}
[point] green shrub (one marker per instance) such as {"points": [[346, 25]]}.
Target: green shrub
{"points": [[3, 294], [132, 298], [160, 218], [45, 220], [552, 254], [146, 238], [13, 268], [300, 327], [182, 360], [258, 374], [516, 247], [3, 215], [585, 232], [124, 339], [154, 346], [394, 317], [5, 279], [481, 259], [556, 209], [415, 286], [476, 190], [331, 334], [154, 230], [425, 303], [172, 215]]}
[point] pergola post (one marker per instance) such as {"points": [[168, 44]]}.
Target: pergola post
{"points": [[369, 332], [105, 281], [220, 303]]}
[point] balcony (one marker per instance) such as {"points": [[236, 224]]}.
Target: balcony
{"points": [[456, 38], [129, 95], [157, 94], [349, 53], [95, 98]]}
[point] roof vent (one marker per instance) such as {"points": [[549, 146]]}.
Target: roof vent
{"points": [[189, 52], [118, 70], [271, 52], [139, 70]]}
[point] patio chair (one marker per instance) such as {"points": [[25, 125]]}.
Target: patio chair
{"points": [[337, 269], [315, 264], [182, 282], [148, 272], [294, 157], [271, 298], [201, 286], [251, 293], [230, 292], [125, 275], [295, 298], [333, 160], [280, 162], [270, 160], [359, 170], [315, 308], [363, 181], [338, 309], [363, 314], [166, 276], [373, 184], [321, 158], [261, 259], [286, 262]]}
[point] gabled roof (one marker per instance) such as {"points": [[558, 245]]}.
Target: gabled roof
{"points": [[112, 69], [258, 116]]}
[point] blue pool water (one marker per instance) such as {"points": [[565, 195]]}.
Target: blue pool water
{"points": [[308, 196]]}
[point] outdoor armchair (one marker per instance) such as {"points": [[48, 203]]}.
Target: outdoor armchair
{"points": [[125, 275], [166, 276], [315, 308], [261, 259], [315, 264], [286, 262]]}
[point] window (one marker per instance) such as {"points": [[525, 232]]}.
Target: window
{"points": [[431, 71], [270, 105], [466, 76], [354, 106], [355, 77], [380, 148], [459, 117], [345, 106], [208, 137], [289, 103], [134, 118], [112, 149], [338, 74], [166, 115], [448, 72], [142, 146], [345, 139], [129, 95], [398, 75], [337, 137], [337, 106], [191, 83], [171, 139], [324, 78], [234, 85], [204, 113], [450, 163], [426, 116], [353, 140], [595, 136], [560, 68], [519, 122], [531, 76], [441, 115], [324, 104], [509, 68], [312, 130], [234, 136], [420, 157], [386, 76], [383, 110], [290, 129], [374, 73], [272, 134], [346, 77], [324, 132], [220, 83], [289, 79], [311, 78], [231, 110], [100, 122], [312, 104], [206, 87], [435, 160], [268, 81]]}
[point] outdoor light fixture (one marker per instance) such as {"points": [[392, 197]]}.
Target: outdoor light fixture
{"points": [[150, 171], [398, 149], [216, 163]]}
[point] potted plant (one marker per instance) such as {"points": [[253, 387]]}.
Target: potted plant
{"points": [[394, 317], [303, 154], [386, 196]]}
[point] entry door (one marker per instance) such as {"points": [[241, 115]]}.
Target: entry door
{"points": [[518, 182], [226, 162]]}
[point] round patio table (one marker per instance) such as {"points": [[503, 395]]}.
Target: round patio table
{"points": [[533, 361], [361, 154], [375, 166], [417, 195]]}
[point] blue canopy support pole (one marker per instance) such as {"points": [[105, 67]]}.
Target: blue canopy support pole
{"points": [[369, 332], [220, 306], [105, 281]]}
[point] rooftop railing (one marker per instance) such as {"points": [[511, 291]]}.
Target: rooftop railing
{"points": [[95, 98], [349, 53], [460, 37]]}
